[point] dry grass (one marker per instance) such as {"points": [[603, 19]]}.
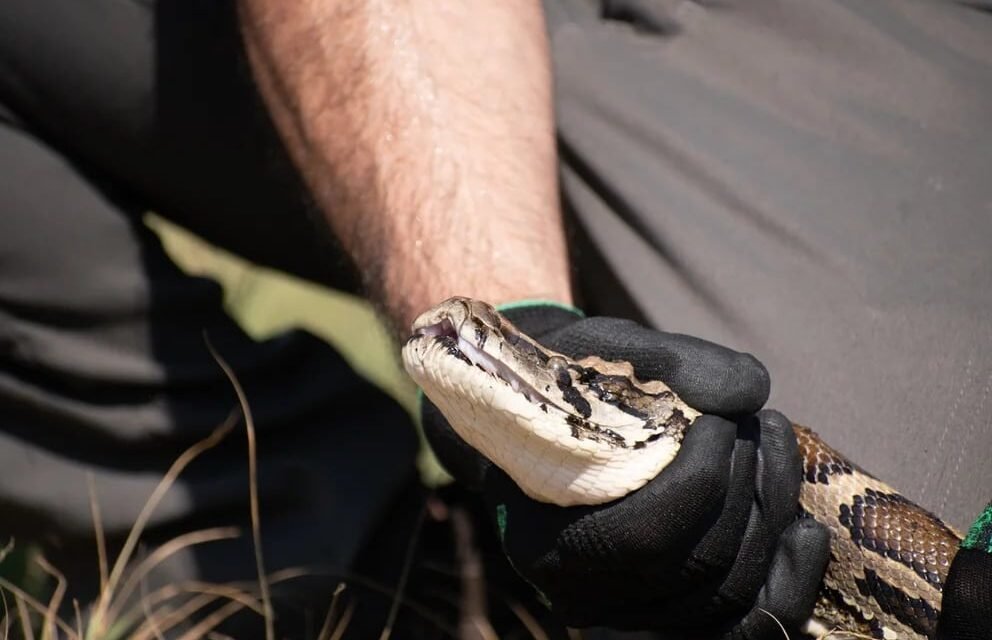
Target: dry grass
{"points": [[256, 534], [117, 613]]}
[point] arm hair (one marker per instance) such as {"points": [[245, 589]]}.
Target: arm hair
{"points": [[424, 129]]}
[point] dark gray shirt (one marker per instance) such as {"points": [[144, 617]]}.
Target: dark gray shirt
{"points": [[811, 182]]}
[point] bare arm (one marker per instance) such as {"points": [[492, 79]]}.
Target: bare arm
{"points": [[425, 130]]}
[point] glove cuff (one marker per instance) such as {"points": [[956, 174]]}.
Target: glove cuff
{"points": [[980, 535], [539, 317], [967, 601]]}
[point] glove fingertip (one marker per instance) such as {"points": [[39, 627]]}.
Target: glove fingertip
{"points": [[722, 382], [780, 466], [779, 447], [793, 584], [774, 419], [809, 542], [707, 444], [755, 380]]}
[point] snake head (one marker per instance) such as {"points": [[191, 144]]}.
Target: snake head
{"points": [[528, 408]]}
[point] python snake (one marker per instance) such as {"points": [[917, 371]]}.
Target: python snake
{"points": [[588, 431]]}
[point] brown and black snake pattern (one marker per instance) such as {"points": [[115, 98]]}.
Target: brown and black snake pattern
{"points": [[893, 553]]}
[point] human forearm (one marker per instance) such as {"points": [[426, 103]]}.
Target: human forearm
{"points": [[424, 130]]}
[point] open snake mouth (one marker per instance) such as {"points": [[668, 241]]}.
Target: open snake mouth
{"points": [[451, 339]]}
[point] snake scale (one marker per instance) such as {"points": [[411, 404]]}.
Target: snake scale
{"points": [[588, 431]]}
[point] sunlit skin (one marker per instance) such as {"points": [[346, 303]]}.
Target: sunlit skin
{"points": [[425, 131]]}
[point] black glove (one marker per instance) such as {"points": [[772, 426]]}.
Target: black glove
{"points": [[701, 549], [966, 610]]}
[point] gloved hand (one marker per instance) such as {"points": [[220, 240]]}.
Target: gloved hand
{"points": [[700, 550], [966, 612]]}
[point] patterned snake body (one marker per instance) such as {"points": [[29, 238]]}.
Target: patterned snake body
{"points": [[588, 431]]}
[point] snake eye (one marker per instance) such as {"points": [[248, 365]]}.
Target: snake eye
{"points": [[558, 366]]}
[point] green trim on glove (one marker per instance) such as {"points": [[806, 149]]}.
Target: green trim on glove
{"points": [[418, 418], [980, 535], [539, 302], [501, 522], [501, 516]]}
